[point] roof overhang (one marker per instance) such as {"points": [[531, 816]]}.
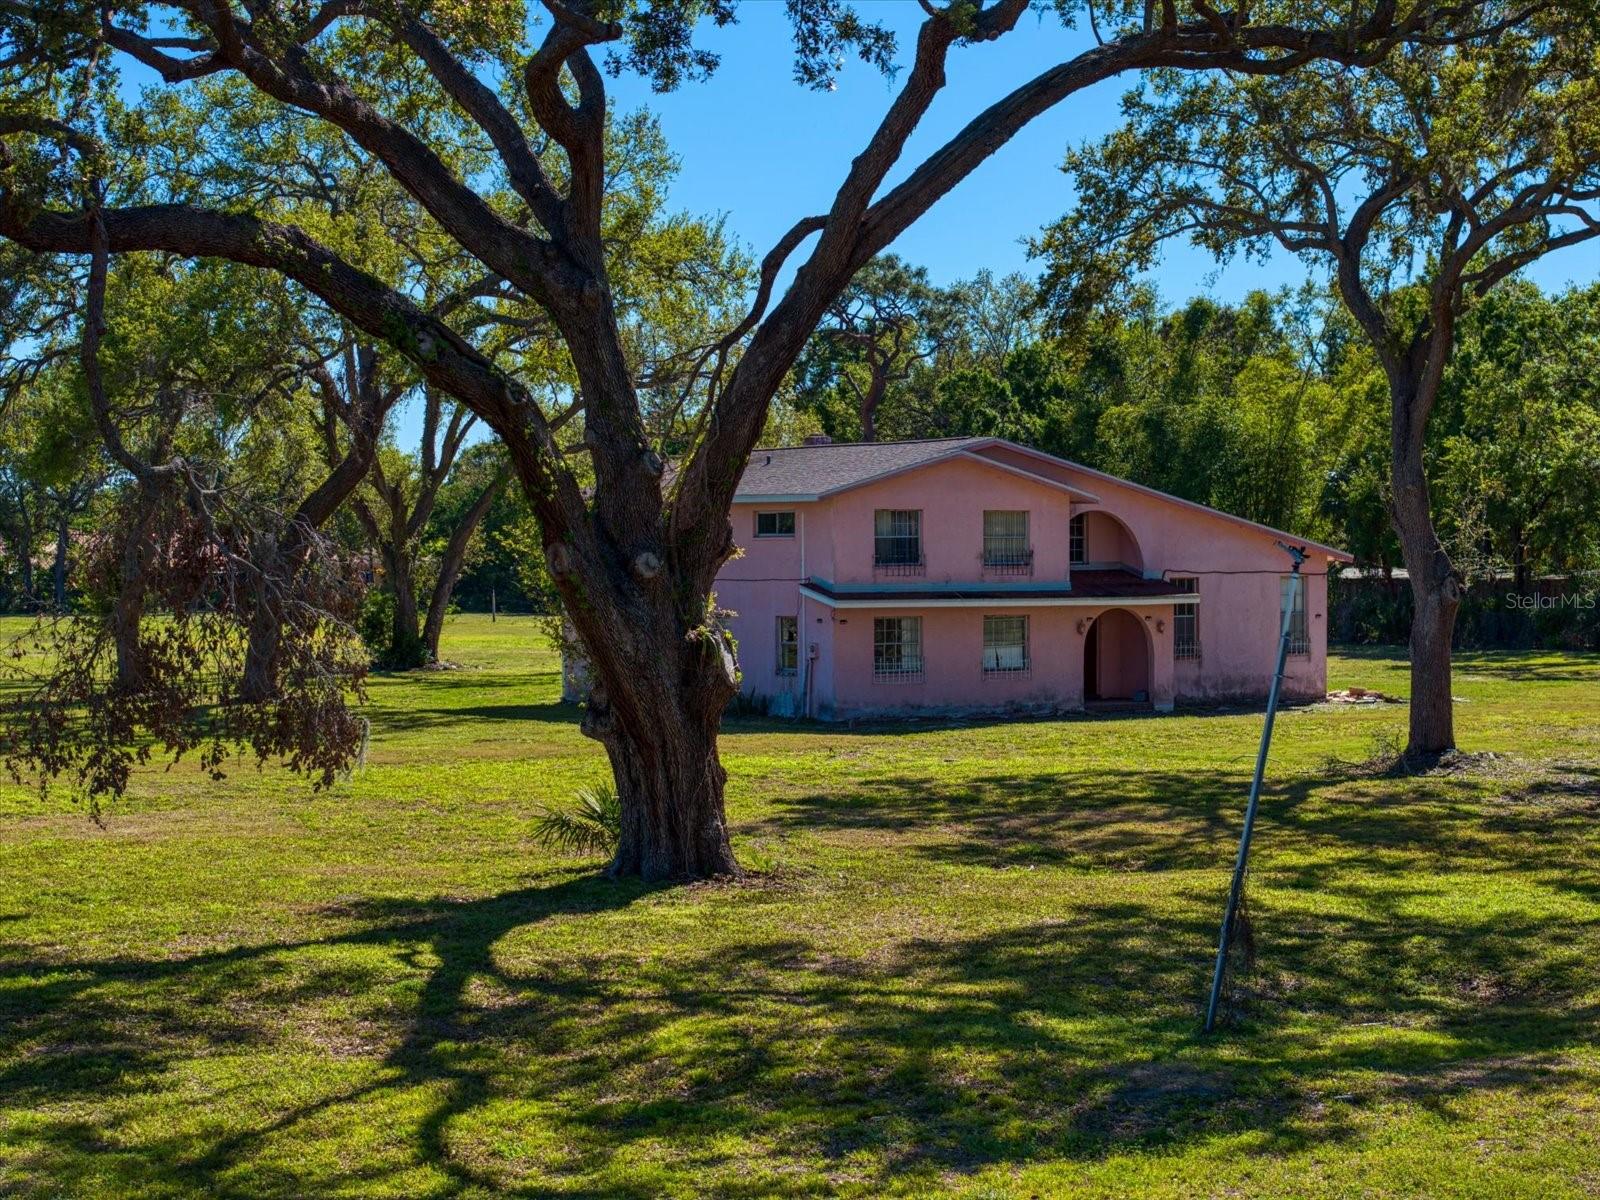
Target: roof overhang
{"points": [[964, 453], [891, 599]]}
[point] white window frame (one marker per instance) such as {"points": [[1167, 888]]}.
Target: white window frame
{"points": [[1077, 541]]}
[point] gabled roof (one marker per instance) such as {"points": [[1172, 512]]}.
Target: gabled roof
{"points": [[811, 472], [797, 473]]}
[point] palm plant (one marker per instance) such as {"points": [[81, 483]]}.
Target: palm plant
{"points": [[593, 825]]}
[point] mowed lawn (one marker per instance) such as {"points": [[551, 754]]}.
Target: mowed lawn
{"points": [[973, 962]]}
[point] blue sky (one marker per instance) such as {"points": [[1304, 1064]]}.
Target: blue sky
{"points": [[763, 151]]}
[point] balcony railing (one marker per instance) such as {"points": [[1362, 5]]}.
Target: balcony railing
{"points": [[896, 555], [1007, 556]]}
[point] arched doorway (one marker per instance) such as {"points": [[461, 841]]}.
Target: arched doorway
{"points": [[1116, 659]]}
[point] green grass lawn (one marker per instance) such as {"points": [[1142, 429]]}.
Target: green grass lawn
{"points": [[973, 963]]}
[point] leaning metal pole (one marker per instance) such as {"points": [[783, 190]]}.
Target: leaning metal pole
{"points": [[1297, 555]]}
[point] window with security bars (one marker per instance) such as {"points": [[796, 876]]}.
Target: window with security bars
{"points": [[788, 645], [1299, 634], [1075, 540], [1005, 543], [897, 541], [897, 649], [1186, 621], [1005, 645]]}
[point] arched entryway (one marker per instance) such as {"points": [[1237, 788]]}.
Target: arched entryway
{"points": [[1101, 540], [1116, 659]]}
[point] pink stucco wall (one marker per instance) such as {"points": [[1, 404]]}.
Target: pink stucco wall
{"points": [[952, 497], [1237, 565]]}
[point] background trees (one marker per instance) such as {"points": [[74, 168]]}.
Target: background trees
{"points": [[1419, 185]]}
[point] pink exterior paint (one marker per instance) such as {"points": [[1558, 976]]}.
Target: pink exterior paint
{"points": [[1237, 565]]}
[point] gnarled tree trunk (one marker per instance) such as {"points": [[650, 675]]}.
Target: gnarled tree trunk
{"points": [[658, 723]]}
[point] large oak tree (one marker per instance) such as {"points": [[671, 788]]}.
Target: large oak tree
{"points": [[1420, 184], [635, 553]]}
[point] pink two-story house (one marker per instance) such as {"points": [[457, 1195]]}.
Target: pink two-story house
{"points": [[975, 574]]}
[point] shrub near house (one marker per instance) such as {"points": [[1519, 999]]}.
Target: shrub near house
{"points": [[973, 574]]}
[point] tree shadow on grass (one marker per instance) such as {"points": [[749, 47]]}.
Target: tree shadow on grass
{"points": [[1539, 825], [1542, 666], [1071, 1037], [764, 1056], [415, 719]]}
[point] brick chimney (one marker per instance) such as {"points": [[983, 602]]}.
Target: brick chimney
{"points": [[818, 439]]}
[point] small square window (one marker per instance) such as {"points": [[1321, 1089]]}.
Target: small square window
{"points": [[774, 524], [788, 645]]}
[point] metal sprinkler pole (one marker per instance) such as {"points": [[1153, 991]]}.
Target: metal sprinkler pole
{"points": [[1297, 555]]}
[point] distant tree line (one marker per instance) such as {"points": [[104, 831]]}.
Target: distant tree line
{"points": [[1270, 408], [1273, 408]]}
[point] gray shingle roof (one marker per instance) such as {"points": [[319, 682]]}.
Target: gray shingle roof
{"points": [[815, 470]]}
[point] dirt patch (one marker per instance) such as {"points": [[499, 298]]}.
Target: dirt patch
{"points": [[1360, 695]]}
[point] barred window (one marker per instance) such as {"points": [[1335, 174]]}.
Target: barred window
{"points": [[897, 537], [788, 645], [774, 524], [1005, 645], [1075, 541], [1005, 542], [1299, 636], [1186, 621], [897, 649]]}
